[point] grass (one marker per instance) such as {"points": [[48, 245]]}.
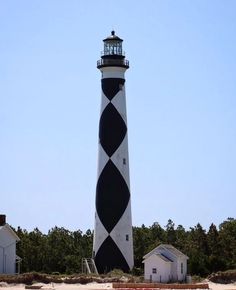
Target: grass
{"points": [[35, 277], [118, 276]]}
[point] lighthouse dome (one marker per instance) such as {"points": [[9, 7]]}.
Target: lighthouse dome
{"points": [[113, 36], [112, 54]]}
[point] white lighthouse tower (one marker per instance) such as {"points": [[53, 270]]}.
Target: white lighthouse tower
{"points": [[113, 240]]}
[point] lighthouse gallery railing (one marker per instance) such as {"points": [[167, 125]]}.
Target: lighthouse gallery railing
{"points": [[115, 62]]}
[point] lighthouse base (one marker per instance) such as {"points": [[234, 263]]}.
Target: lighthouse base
{"points": [[109, 257]]}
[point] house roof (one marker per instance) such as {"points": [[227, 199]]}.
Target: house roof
{"points": [[161, 256], [173, 250], [166, 247], [6, 226], [164, 258]]}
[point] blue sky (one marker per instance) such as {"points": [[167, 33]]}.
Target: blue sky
{"points": [[181, 103]]}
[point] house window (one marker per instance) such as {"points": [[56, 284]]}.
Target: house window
{"points": [[127, 237], [154, 270], [182, 268]]}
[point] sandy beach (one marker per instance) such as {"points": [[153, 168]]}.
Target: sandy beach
{"points": [[217, 286], [97, 286]]}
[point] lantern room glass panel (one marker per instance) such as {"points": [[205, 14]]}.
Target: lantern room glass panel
{"points": [[112, 47]]}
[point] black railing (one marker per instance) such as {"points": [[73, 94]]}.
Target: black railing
{"points": [[112, 62]]}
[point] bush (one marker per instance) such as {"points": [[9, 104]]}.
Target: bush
{"points": [[226, 277]]}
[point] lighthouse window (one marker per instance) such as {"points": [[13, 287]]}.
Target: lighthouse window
{"points": [[113, 48], [124, 161], [127, 237]]}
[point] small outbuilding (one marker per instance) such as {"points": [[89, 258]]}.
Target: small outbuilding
{"points": [[165, 264], [9, 261]]}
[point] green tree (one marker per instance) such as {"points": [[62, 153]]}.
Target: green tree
{"points": [[227, 241], [59, 245], [170, 232], [197, 250], [181, 238], [87, 244], [141, 240], [215, 261], [157, 234], [32, 249]]}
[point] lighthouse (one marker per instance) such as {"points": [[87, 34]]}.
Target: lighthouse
{"points": [[113, 239]]}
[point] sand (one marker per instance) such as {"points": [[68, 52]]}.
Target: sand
{"points": [[60, 286], [216, 286], [96, 286]]}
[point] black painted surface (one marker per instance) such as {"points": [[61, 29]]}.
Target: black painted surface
{"points": [[109, 257], [112, 192], [112, 129], [112, 196], [111, 86]]}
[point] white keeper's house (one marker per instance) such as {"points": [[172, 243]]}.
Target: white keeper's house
{"points": [[9, 261], [165, 264]]}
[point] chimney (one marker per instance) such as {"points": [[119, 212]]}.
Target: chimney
{"points": [[2, 219]]}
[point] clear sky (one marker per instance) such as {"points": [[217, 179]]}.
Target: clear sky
{"points": [[181, 104]]}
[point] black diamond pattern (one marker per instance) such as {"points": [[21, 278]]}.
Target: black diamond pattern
{"points": [[109, 257], [111, 86], [112, 129], [112, 196]]}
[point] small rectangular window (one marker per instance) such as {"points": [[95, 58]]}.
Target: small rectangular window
{"points": [[127, 237], [124, 161], [182, 268], [154, 270]]}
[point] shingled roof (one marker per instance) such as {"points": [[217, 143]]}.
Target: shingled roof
{"points": [[168, 248]]}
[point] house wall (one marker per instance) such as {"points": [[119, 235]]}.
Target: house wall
{"points": [[7, 252], [174, 265], [163, 269], [176, 274], [182, 276], [1, 260]]}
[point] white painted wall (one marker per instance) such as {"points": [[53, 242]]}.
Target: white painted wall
{"points": [[169, 271], [7, 252], [113, 72], [181, 276], [1, 260], [163, 269], [176, 274], [123, 228]]}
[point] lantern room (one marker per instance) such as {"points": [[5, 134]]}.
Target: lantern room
{"points": [[112, 45], [113, 55]]}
